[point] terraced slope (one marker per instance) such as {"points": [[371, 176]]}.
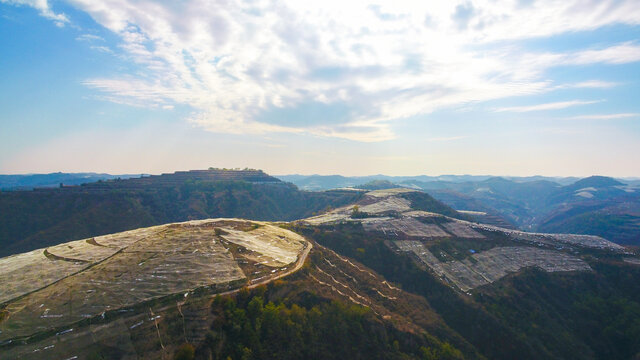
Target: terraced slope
{"points": [[464, 254], [141, 293], [47, 291]]}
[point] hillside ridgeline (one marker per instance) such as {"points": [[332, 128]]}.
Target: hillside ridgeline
{"points": [[44, 217]]}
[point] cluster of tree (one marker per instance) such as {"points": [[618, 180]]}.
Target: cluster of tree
{"points": [[247, 328]]}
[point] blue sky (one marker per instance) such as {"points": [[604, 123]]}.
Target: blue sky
{"points": [[402, 88]]}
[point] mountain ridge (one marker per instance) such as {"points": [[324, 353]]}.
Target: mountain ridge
{"points": [[388, 266]]}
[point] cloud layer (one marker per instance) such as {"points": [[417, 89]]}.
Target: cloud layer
{"points": [[43, 8], [547, 106], [233, 62]]}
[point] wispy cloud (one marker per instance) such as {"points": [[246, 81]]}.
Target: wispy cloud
{"points": [[604, 116], [547, 106], [89, 38], [589, 84], [232, 61], [43, 8], [619, 54], [104, 49]]}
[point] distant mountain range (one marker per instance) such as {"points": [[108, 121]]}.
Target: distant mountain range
{"points": [[30, 181], [304, 182], [596, 205], [326, 182]]}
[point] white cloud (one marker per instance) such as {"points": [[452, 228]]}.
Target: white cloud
{"points": [[547, 106], [231, 61], [89, 38], [43, 8], [620, 54], [604, 116], [589, 84], [104, 49]]}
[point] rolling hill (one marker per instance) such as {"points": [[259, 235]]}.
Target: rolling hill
{"points": [[394, 275], [44, 217]]}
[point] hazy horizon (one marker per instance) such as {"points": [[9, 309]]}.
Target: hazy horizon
{"points": [[331, 174]]}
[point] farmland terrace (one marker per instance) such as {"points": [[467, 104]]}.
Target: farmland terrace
{"points": [[391, 212], [464, 254], [491, 265], [47, 291]]}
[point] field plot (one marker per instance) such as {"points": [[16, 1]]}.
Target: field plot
{"points": [[586, 241], [422, 253], [81, 250], [126, 238], [375, 203], [390, 204], [278, 246], [328, 218], [421, 214], [462, 230], [407, 226], [171, 259], [463, 275], [590, 241], [491, 265], [497, 262], [24, 273], [125, 279], [389, 192]]}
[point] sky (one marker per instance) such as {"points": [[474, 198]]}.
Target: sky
{"points": [[523, 87]]}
